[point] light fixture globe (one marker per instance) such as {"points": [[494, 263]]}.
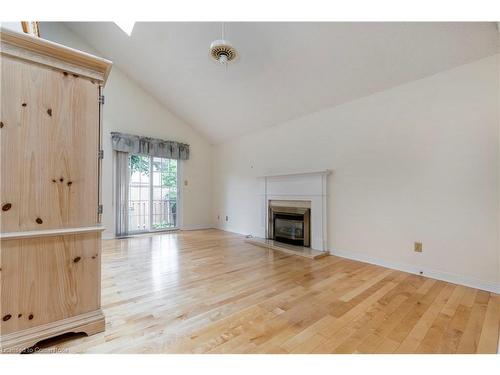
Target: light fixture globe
{"points": [[222, 51]]}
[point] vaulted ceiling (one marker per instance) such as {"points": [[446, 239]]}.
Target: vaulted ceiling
{"points": [[284, 70]]}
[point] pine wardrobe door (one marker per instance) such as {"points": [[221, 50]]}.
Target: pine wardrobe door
{"points": [[47, 279], [49, 148]]}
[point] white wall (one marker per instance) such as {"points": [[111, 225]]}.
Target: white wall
{"points": [[130, 109], [498, 106], [14, 26], [418, 162]]}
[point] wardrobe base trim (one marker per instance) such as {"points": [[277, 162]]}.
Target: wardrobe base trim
{"points": [[88, 323]]}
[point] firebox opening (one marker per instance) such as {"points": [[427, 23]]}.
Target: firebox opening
{"points": [[290, 224]]}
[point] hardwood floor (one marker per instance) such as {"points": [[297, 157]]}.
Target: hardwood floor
{"points": [[210, 292]]}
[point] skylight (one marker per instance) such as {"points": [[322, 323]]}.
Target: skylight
{"points": [[126, 26]]}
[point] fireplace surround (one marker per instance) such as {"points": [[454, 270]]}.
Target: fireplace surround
{"points": [[300, 190]]}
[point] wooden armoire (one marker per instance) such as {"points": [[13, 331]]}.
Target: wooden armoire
{"points": [[50, 247]]}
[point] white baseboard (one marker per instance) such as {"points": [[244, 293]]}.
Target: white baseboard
{"points": [[196, 227], [187, 227], [428, 272], [231, 230]]}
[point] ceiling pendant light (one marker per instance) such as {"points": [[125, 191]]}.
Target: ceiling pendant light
{"points": [[222, 50]]}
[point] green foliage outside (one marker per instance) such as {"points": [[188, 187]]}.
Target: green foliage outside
{"points": [[164, 225], [168, 171], [139, 164]]}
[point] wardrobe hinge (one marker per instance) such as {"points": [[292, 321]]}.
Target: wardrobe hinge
{"points": [[99, 209], [100, 154], [101, 99]]}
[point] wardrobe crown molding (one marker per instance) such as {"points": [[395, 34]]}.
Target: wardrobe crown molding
{"points": [[45, 52]]}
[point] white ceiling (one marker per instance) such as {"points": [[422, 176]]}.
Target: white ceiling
{"points": [[285, 70]]}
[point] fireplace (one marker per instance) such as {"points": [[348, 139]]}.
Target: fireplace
{"points": [[290, 222], [306, 191]]}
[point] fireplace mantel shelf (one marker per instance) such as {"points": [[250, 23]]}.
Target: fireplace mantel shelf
{"points": [[321, 172]]}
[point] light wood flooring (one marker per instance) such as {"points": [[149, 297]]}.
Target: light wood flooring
{"points": [[211, 292]]}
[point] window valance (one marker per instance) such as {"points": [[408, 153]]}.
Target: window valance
{"points": [[135, 144]]}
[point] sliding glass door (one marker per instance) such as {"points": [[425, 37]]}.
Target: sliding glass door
{"points": [[153, 194]]}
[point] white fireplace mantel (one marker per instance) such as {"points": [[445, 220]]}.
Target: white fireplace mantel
{"points": [[307, 186], [322, 172]]}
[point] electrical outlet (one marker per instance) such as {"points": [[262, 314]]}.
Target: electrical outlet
{"points": [[227, 219], [418, 247]]}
